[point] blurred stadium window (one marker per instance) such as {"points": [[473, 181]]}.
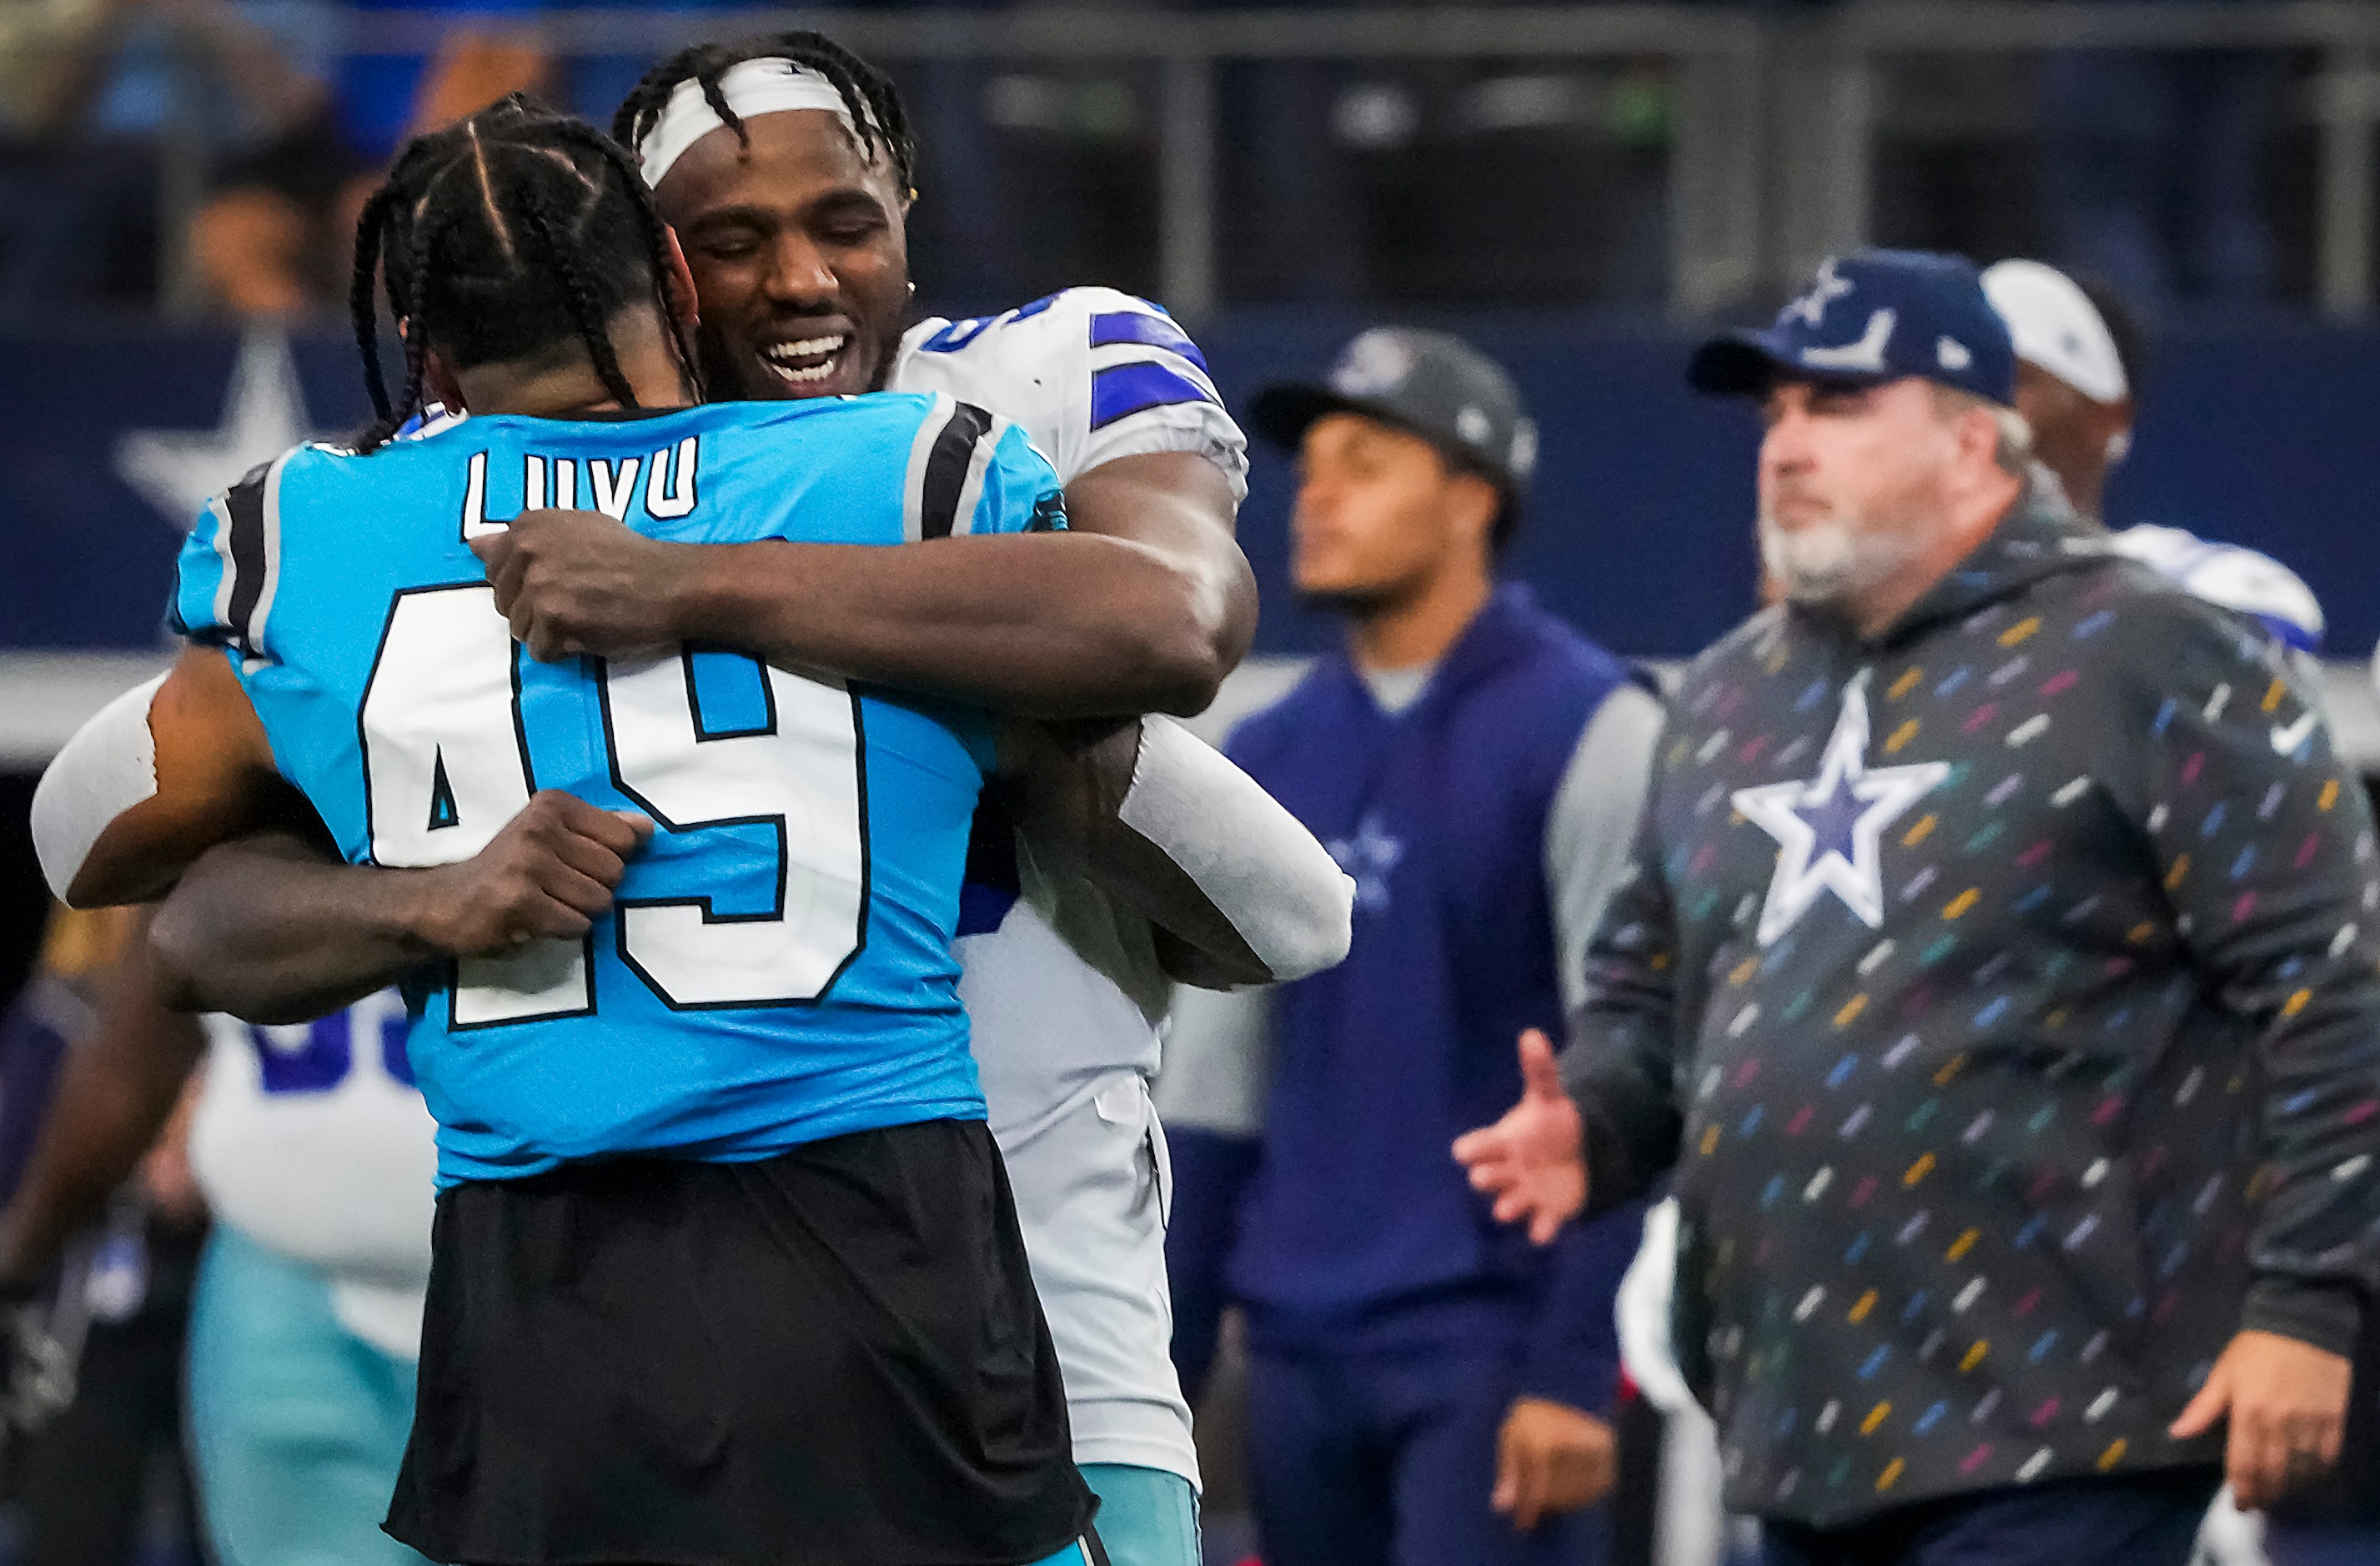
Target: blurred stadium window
{"points": [[202, 156]]}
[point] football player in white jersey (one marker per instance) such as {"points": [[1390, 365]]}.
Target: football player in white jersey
{"points": [[2077, 354], [797, 255], [313, 1151]]}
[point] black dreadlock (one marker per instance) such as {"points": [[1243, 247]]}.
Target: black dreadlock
{"points": [[503, 236], [869, 93]]}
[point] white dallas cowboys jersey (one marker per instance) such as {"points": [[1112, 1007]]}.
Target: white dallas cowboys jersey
{"points": [[2230, 577], [312, 1141], [1066, 995]]}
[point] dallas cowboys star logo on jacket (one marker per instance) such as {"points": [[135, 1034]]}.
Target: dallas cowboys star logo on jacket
{"points": [[1829, 831]]}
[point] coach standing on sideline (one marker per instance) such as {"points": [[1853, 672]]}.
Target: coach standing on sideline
{"points": [[1998, 973], [1425, 1389]]}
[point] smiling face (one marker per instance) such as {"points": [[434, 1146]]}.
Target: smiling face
{"points": [[799, 249]]}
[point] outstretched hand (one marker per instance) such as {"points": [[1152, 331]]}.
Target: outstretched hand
{"points": [[2286, 1403], [579, 582], [1534, 1160]]}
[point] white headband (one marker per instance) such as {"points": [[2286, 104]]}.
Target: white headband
{"points": [[752, 87], [2056, 326]]}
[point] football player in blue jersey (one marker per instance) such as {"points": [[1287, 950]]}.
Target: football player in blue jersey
{"points": [[805, 1330]]}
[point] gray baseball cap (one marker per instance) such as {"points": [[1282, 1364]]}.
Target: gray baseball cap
{"points": [[1435, 385]]}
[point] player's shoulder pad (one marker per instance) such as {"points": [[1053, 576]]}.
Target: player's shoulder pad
{"points": [[1133, 354], [230, 565], [1094, 372], [1072, 321], [956, 447], [2232, 577]]}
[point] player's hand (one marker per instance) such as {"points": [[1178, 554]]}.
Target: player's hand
{"points": [[578, 581], [1551, 1459], [2287, 1401], [1534, 1160], [548, 875]]}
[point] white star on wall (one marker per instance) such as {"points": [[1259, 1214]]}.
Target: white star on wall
{"points": [[1829, 831], [264, 414]]}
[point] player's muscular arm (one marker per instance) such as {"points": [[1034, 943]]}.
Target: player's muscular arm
{"points": [[1178, 505], [146, 787], [1239, 892], [272, 929], [1143, 606], [117, 1087]]}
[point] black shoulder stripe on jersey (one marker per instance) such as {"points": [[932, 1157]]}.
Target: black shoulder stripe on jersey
{"points": [[1093, 1548], [946, 470], [244, 505]]}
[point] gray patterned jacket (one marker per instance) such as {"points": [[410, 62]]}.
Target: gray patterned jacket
{"points": [[2006, 993]]}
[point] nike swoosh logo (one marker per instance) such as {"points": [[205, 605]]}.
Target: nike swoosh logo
{"points": [[2288, 737]]}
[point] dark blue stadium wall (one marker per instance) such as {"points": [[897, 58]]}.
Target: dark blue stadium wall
{"points": [[1639, 528]]}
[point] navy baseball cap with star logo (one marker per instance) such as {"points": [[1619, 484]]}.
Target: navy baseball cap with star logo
{"points": [[1871, 316]]}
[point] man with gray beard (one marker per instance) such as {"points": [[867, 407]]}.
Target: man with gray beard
{"points": [[1998, 980]]}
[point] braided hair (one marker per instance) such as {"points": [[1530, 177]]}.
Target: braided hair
{"points": [[875, 105], [500, 237]]}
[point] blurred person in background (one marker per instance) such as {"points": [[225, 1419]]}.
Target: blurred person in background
{"points": [[66, 198], [313, 1152], [2151, 168], [93, 1403], [2078, 370], [2022, 1037], [1424, 1388], [275, 238], [91, 92]]}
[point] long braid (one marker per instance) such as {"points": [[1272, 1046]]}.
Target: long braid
{"points": [[665, 278], [363, 305], [503, 238], [417, 337], [579, 295]]}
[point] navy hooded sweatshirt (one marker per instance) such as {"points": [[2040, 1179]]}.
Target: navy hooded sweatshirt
{"points": [[1351, 1226]]}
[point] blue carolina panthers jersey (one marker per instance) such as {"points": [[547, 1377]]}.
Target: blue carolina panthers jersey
{"points": [[778, 967]]}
